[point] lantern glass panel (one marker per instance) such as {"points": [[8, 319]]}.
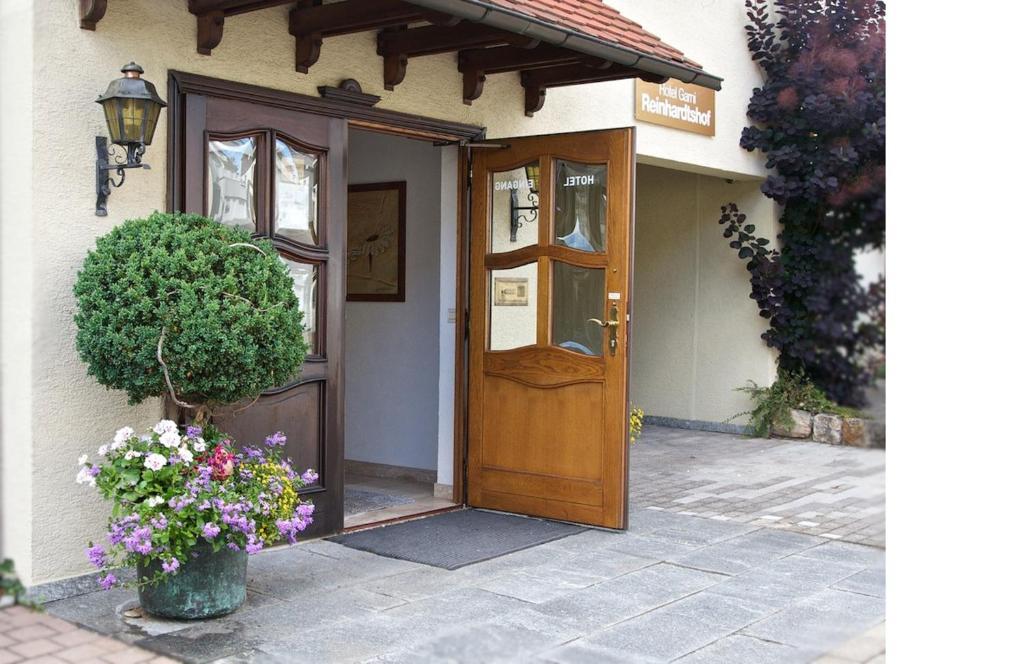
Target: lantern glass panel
{"points": [[110, 112], [133, 117], [152, 115]]}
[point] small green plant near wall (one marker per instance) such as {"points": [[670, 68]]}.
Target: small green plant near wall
{"points": [[636, 423], [11, 590], [178, 304], [792, 390]]}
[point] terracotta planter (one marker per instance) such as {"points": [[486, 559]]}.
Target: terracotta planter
{"points": [[210, 584]]}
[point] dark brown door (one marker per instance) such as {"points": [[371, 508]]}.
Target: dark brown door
{"points": [[551, 224], [280, 174]]}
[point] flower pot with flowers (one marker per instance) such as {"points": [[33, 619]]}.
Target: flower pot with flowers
{"points": [[189, 509], [180, 306]]}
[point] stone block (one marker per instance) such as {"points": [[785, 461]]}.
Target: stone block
{"points": [[828, 429], [854, 432], [876, 433], [801, 427]]}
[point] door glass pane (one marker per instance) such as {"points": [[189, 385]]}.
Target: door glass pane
{"points": [[513, 305], [577, 294], [515, 207], [297, 176], [231, 182], [304, 283], [581, 205]]}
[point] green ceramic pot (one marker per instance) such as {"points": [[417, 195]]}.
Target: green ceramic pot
{"points": [[210, 584]]}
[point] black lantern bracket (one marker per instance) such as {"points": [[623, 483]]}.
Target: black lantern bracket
{"points": [[516, 220], [110, 159]]}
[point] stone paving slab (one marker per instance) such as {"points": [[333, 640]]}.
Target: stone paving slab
{"points": [[675, 587], [827, 490]]}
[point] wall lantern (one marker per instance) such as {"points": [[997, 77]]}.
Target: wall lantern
{"points": [[533, 198], [131, 106]]}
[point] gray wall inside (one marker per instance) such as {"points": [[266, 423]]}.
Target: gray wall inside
{"points": [[391, 348]]}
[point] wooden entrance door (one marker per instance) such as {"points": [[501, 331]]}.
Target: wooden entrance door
{"points": [[280, 174], [551, 224]]}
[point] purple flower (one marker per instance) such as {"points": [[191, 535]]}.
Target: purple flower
{"points": [[277, 439], [192, 431], [96, 556], [252, 453], [108, 581], [309, 477], [159, 522], [253, 546], [210, 530], [94, 471], [171, 566], [233, 546]]}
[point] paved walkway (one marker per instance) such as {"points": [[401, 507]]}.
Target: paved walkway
{"points": [[33, 636], [832, 491], [676, 587]]}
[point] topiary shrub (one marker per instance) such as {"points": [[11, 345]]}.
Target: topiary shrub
{"points": [[179, 304]]}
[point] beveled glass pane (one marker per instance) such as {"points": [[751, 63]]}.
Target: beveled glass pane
{"points": [[231, 182], [577, 295], [513, 305], [297, 177], [581, 205], [515, 208], [304, 283]]}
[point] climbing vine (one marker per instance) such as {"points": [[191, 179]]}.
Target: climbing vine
{"points": [[819, 119]]}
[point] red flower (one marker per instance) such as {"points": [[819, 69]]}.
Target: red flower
{"points": [[222, 462]]}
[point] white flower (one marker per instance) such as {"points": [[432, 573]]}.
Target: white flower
{"points": [[82, 459], [170, 439], [155, 500], [132, 454], [103, 450], [85, 477], [155, 461], [185, 454], [121, 437], [199, 445], [165, 426]]}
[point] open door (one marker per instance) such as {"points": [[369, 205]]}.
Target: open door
{"points": [[551, 232]]}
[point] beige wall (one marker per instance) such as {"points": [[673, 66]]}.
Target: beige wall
{"points": [[16, 328], [696, 332], [53, 411]]}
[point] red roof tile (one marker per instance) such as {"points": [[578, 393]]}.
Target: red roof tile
{"points": [[597, 20]]}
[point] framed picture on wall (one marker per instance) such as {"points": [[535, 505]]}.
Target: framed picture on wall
{"points": [[376, 242]]}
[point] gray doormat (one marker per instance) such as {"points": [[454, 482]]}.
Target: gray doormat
{"points": [[358, 501], [456, 539]]}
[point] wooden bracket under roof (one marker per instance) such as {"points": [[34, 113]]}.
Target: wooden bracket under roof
{"points": [[487, 37]]}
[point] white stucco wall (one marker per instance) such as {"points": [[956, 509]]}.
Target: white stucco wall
{"points": [[52, 410], [16, 284], [696, 332], [391, 348]]}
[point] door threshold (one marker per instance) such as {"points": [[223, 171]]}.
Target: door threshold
{"points": [[401, 519]]}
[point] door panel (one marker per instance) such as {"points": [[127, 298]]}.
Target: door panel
{"points": [[280, 175], [551, 224]]}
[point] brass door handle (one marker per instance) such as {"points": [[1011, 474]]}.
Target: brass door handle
{"points": [[612, 324]]}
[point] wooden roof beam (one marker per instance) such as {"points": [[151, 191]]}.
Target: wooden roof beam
{"points": [[537, 81], [476, 63], [397, 46], [210, 18], [310, 22], [90, 12]]}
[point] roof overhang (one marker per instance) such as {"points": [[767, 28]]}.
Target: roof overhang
{"points": [[557, 35], [545, 47]]}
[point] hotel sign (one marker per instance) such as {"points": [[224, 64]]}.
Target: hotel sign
{"points": [[677, 105]]}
